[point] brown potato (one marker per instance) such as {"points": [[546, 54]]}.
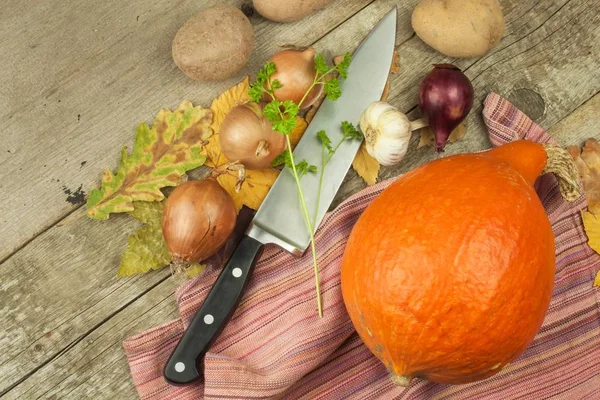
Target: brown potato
{"points": [[214, 44], [459, 28], [288, 10]]}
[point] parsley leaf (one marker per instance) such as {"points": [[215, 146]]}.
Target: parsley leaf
{"points": [[255, 92], [271, 111], [350, 132], [302, 168], [262, 77], [325, 141], [332, 89], [282, 115], [291, 109], [280, 159], [342, 67], [265, 73], [276, 84], [321, 65]]}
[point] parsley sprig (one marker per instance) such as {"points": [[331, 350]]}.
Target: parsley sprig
{"points": [[282, 115]]}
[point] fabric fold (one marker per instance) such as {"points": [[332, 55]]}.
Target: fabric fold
{"points": [[276, 346]]}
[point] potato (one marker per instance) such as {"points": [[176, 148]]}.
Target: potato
{"points": [[288, 10], [459, 28], [214, 44]]}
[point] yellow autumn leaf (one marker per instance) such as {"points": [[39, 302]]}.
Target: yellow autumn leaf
{"points": [[254, 188], [232, 97], [214, 155], [591, 224], [366, 166]]}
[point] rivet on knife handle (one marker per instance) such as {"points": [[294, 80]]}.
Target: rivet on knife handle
{"points": [[185, 363]]}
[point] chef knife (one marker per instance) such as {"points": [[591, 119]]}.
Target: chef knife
{"points": [[279, 219]]}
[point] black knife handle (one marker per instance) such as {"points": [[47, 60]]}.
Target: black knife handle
{"points": [[185, 363]]}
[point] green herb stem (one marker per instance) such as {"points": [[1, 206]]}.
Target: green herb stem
{"points": [[324, 160], [309, 226], [317, 81]]}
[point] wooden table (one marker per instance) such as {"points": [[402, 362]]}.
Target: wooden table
{"points": [[77, 77]]}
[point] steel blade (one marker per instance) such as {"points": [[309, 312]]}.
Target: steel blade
{"points": [[279, 220]]}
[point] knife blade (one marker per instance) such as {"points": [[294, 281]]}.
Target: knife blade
{"points": [[279, 219]]}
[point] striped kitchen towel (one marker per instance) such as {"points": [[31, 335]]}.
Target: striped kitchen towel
{"points": [[277, 347]]}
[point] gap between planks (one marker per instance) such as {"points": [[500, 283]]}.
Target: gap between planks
{"points": [[71, 211]]}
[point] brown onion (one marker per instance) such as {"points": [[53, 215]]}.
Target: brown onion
{"points": [[295, 69], [198, 217], [247, 137]]}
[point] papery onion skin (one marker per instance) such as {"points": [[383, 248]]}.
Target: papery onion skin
{"points": [[295, 69], [445, 97], [198, 217], [246, 136]]}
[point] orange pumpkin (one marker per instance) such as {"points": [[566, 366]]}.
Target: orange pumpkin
{"points": [[448, 274]]}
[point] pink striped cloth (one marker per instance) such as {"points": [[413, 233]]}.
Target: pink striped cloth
{"points": [[276, 346]]}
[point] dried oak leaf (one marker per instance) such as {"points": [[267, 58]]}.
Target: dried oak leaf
{"points": [[587, 160], [161, 155], [366, 166], [428, 138], [146, 249], [254, 189]]}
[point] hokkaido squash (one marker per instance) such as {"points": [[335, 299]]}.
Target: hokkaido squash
{"points": [[448, 273]]}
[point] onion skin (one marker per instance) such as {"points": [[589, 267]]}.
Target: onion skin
{"points": [[295, 69], [246, 136], [198, 217], [445, 97]]}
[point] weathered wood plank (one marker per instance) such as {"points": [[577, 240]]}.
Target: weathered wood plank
{"points": [[536, 42], [546, 63], [79, 76], [63, 283], [96, 368], [581, 124]]}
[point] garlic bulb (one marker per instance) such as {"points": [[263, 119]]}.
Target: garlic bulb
{"points": [[387, 132]]}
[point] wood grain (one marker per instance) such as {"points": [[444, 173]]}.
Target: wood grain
{"points": [[65, 279], [64, 312], [82, 76]]}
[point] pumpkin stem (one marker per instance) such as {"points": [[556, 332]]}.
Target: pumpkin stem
{"points": [[401, 380], [560, 163]]}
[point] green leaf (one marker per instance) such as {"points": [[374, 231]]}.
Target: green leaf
{"points": [[160, 156], [342, 67], [255, 92], [332, 89], [350, 132], [291, 109], [321, 65], [272, 111], [280, 159], [302, 168], [276, 84], [282, 115], [325, 141], [146, 249], [262, 77]]}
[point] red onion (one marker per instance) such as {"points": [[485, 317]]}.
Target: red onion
{"points": [[445, 97]]}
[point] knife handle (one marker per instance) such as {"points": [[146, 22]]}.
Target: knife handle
{"points": [[185, 363]]}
